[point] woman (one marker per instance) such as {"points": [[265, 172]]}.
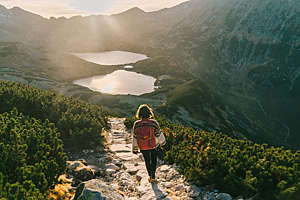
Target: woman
{"points": [[147, 137]]}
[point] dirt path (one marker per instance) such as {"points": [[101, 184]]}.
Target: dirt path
{"points": [[117, 173], [135, 174], [132, 179]]}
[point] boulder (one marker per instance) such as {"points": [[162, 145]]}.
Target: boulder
{"points": [[209, 196], [96, 189], [83, 161], [84, 174], [179, 187], [73, 165], [193, 191], [223, 196], [80, 172], [97, 170], [164, 168]]}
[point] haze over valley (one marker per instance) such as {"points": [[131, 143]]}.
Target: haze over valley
{"points": [[230, 66]]}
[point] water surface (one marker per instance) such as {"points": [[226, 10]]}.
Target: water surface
{"points": [[111, 57], [119, 82], [128, 67]]}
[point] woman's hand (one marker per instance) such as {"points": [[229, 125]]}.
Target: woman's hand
{"points": [[162, 147]]}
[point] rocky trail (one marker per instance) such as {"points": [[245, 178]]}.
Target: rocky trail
{"points": [[116, 173]]}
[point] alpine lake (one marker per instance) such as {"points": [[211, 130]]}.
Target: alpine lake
{"points": [[119, 82]]}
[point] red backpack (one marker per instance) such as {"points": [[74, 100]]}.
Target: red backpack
{"points": [[144, 131]]}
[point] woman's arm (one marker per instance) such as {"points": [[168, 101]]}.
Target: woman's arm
{"points": [[159, 135], [134, 141], [156, 128]]}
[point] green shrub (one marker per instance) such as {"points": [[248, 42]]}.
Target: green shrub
{"points": [[17, 191], [78, 122], [31, 155], [129, 122], [239, 167]]}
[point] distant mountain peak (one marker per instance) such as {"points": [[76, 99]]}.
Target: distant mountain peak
{"points": [[22, 12], [17, 9], [134, 10], [2, 7]]}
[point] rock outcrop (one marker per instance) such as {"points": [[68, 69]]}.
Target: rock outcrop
{"points": [[79, 171]]}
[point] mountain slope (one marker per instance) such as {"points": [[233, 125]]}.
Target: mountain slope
{"points": [[246, 51]]}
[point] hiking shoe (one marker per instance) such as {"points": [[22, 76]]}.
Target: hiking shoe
{"points": [[152, 180]]}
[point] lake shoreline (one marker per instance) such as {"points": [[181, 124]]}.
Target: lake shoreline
{"points": [[118, 82], [111, 58]]}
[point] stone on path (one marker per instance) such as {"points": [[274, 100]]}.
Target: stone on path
{"points": [[165, 168], [96, 189], [127, 156], [111, 166], [120, 147], [117, 162], [126, 183], [110, 172], [132, 168], [179, 187]]}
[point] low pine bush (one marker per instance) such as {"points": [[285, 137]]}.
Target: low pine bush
{"points": [[78, 122], [31, 155], [238, 167]]}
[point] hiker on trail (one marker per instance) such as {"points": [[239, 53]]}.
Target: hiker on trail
{"points": [[147, 137]]}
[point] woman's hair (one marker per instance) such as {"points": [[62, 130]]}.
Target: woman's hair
{"points": [[144, 112]]}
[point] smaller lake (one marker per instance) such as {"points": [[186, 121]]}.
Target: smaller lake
{"points": [[128, 67], [111, 57], [119, 82]]}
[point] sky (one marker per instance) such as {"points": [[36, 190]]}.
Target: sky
{"points": [[68, 8]]}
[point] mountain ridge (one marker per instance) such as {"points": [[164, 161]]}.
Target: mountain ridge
{"points": [[245, 50]]}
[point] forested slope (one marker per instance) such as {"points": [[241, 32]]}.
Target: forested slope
{"points": [[34, 127], [77, 121]]}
